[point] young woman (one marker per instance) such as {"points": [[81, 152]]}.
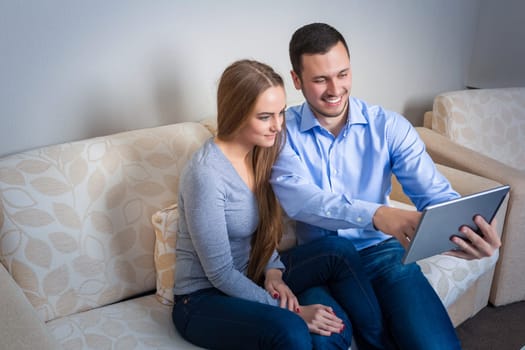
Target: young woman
{"points": [[231, 289]]}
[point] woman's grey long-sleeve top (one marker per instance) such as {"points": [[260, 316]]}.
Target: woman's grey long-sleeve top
{"points": [[218, 216]]}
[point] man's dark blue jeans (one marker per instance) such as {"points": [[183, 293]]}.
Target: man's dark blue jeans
{"points": [[414, 315], [343, 285]]}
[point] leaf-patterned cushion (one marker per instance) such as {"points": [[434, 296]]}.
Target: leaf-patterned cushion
{"points": [[75, 218], [165, 222]]}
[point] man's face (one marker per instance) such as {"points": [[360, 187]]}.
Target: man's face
{"points": [[326, 81]]}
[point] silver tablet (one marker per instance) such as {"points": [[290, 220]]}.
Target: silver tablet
{"points": [[441, 221]]}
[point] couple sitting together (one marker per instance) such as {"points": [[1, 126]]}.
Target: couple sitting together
{"points": [[328, 165]]}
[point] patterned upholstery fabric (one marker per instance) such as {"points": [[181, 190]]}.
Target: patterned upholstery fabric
{"points": [[165, 223], [140, 323], [451, 277], [75, 218], [489, 121]]}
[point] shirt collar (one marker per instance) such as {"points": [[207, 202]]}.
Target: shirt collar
{"points": [[309, 121], [356, 112]]}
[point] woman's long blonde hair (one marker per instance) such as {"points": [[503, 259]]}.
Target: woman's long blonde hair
{"points": [[240, 85]]}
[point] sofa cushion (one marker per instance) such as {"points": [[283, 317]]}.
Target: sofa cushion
{"points": [[76, 218], [165, 223], [140, 323], [473, 117]]}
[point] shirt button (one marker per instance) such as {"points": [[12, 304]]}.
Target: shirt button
{"points": [[328, 213], [359, 219]]}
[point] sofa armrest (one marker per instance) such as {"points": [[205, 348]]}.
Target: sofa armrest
{"points": [[463, 182], [20, 327], [444, 151], [509, 285]]}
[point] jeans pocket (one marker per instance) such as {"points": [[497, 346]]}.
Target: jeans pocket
{"points": [[186, 304], [182, 311]]}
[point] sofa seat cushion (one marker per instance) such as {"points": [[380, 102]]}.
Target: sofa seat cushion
{"points": [[145, 323], [140, 323]]}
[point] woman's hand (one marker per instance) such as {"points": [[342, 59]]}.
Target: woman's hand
{"points": [[275, 285], [321, 319]]}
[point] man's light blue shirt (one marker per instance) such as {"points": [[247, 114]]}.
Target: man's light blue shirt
{"points": [[335, 184]]}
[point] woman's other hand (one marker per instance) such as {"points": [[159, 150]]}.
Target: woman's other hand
{"points": [[321, 319]]}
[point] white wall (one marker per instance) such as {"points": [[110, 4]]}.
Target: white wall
{"points": [[498, 59], [72, 69]]}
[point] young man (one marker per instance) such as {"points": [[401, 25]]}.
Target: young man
{"points": [[334, 176]]}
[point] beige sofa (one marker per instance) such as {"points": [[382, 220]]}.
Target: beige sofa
{"points": [[483, 132], [87, 234]]}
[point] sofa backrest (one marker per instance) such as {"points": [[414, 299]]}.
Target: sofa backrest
{"points": [[75, 218], [489, 121]]}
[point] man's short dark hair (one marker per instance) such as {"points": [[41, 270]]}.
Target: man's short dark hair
{"points": [[314, 38]]}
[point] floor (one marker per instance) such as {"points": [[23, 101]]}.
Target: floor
{"points": [[495, 328]]}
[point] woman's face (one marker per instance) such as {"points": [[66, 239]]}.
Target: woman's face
{"points": [[265, 119]]}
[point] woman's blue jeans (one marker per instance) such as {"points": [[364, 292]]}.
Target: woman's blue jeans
{"points": [[210, 319]]}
